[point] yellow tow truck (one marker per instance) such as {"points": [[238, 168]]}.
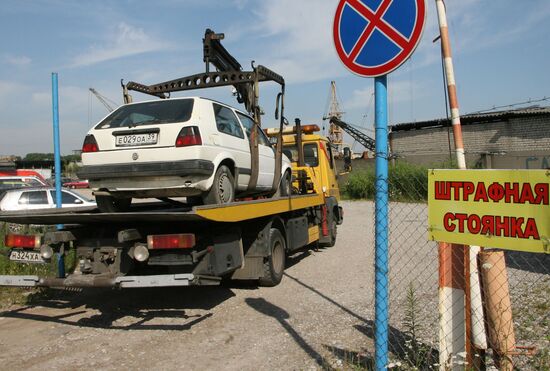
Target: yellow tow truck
{"points": [[159, 244], [172, 243]]}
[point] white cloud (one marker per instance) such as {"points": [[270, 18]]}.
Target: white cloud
{"points": [[17, 60], [477, 25], [122, 42], [360, 98], [303, 50]]}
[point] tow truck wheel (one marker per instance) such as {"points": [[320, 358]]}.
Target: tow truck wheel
{"points": [[110, 204], [332, 232], [274, 265], [223, 188]]}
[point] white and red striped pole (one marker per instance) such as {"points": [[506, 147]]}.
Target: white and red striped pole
{"points": [[451, 85], [452, 340], [456, 325]]}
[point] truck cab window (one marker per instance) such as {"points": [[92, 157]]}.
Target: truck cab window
{"points": [[311, 154]]}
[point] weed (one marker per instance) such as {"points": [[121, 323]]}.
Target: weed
{"points": [[417, 354], [11, 295], [406, 183]]}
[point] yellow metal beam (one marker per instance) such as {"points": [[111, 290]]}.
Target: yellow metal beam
{"points": [[245, 210]]}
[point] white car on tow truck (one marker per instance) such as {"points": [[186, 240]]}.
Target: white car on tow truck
{"points": [[192, 147]]}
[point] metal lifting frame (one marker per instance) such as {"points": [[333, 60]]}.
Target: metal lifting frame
{"points": [[228, 72], [362, 138]]}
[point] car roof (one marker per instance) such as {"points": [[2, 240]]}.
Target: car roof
{"points": [[18, 177], [183, 98], [26, 189]]}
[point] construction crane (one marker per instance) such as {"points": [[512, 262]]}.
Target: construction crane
{"points": [[337, 126], [335, 135], [104, 100], [356, 134]]}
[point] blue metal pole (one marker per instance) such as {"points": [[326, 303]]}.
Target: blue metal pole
{"points": [[57, 164], [381, 224]]}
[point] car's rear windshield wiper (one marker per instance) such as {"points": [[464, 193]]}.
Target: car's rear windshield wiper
{"points": [[148, 122]]}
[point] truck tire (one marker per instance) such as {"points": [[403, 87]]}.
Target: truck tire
{"points": [[110, 204], [332, 232], [274, 265], [223, 188]]}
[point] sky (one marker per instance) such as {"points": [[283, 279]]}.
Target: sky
{"points": [[501, 52]]}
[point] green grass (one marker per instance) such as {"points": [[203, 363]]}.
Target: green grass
{"points": [[13, 295], [406, 183]]}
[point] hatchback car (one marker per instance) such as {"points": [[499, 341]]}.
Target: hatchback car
{"points": [[40, 198], [192, 147]]}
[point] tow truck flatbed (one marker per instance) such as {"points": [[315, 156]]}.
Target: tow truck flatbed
{"points": [[147, 212]]}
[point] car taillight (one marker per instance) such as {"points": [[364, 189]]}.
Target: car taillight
{"points": [[189, 136], [90, 144], [22, 241], [171, 241]]}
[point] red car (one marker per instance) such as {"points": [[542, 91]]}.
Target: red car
{"points": [[77, 184]]}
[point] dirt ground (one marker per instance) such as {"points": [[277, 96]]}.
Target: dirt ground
{"points": [[320, 316]]}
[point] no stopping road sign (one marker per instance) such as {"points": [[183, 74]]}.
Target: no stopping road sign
{"points": [[374, 37]]}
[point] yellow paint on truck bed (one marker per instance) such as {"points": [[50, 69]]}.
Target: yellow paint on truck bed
{"points": [[241, 211]]}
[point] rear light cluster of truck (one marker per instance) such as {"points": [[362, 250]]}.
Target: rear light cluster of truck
{"points": [[22, 241], [171, 241], [189, 136], [162, 242], [90, 144]]}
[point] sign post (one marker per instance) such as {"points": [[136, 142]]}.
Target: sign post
{"points": [[373, 38], [57, 163]]}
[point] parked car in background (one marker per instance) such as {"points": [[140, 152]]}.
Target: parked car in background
{"points": [[191, 147], [40, 198], [9, 182], [22, 173], [77, 184]]}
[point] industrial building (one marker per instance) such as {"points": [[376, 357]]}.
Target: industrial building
{"points": [[513, 139]]}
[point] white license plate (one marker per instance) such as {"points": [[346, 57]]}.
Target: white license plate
{"points": [[136, 139], [26, 256]]}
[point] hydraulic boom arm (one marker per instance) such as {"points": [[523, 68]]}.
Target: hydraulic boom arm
{"points": [[359, 136]]}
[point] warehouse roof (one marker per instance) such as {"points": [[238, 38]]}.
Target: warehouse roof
{"points": [[475, 118]]}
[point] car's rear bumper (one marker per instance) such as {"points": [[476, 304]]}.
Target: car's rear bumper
{"points": [[147, 169]]}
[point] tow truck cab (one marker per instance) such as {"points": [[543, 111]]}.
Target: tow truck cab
{"points": [[317, 163]]}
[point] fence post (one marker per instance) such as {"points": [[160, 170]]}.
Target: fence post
{"points": [[381, 224]]}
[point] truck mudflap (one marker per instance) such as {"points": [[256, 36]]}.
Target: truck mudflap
{"points": [[83, 281]]}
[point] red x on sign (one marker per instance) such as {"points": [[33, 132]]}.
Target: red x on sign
{"points": [[374, 37]]}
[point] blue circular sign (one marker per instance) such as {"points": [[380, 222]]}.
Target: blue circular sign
{"points": [[374, 37]]}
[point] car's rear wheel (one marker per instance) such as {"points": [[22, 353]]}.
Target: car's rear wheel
{"points": [[285, 185], [223, 188], [110, 204]]}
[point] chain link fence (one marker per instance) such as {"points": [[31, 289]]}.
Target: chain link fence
{"points": [[511, 308]]}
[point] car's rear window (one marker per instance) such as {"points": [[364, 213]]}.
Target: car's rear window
{"points": [[149, 113]]}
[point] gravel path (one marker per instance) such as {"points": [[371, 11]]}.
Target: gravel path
{"points": [[320, 316]]}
